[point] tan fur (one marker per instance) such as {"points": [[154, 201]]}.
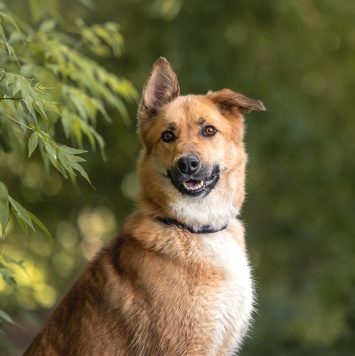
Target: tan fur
{"points": [[158, 289]]}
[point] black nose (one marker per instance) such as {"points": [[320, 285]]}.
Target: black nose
{"points": [[189, 164]]}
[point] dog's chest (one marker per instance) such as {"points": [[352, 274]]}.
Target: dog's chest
{"points": [[233, 307]]}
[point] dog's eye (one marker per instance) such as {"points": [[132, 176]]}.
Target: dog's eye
{"points": [[168, 136], [209, 131]]}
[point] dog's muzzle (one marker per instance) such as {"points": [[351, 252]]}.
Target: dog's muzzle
{"points": [[192, 177]]}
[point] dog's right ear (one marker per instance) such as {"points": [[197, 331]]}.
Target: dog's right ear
{"points": [[161, 87], [231, 102]]}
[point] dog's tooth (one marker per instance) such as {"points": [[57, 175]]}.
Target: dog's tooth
{"points": [[196, 187]]}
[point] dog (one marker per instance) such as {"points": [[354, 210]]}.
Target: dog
{"points": [[176, 281]]}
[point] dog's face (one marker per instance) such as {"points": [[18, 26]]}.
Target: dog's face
{"points": [[192, 166]]}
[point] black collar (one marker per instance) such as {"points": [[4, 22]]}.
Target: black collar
{"points": [[202, 230]]}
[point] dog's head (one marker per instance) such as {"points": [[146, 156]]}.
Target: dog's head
{"points": [[192, 165]]}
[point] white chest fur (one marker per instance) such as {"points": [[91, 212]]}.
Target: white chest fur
{"points": [[235, 299]]}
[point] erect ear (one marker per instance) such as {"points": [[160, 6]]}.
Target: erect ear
{"points": [[161, 87], [228, 101]]}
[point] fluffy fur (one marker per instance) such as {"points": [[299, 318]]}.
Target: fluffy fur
{"points": [[158, 288]]}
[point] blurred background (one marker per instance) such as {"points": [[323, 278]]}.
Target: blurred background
{"points": [[298, 57]]}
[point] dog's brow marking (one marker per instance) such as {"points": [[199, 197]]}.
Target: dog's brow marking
{"points": [[172, 126], [201, 121]]}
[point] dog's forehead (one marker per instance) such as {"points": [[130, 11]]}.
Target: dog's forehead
{"points": [[191, 109]]}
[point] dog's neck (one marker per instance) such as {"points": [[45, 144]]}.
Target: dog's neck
{"points": [[212, 212], [203, 230]]}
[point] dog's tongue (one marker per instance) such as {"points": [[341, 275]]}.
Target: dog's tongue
{"points": [[193, 183]]}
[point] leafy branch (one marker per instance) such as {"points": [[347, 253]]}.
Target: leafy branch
{"points": [[17, 88], [48, 79], [23, 216], [7, 265]]}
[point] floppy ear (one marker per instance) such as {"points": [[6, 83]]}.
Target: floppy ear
{"points": [[161, 87], [228, 101]]}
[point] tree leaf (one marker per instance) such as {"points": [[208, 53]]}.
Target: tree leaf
{"points": [[72, 151], [10, 260], [47, 25], [4, 208], [3, 191], [8, 279], [70, 162], [6, 317], [32, 143], [4, 215], [21, 212]]}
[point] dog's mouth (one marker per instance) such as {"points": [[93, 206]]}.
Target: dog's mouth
{"points": [[194, 186]]}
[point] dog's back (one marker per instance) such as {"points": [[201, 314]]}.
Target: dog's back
{"points": [[176, 280]]}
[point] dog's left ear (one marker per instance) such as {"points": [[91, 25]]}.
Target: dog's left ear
{"points": [[228, 101], [161, 87]]}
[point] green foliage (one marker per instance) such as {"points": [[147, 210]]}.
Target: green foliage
{"points": [[23, 216], [7, 265], [41, 9], [4, 317], [101, 39], [50, 81]]}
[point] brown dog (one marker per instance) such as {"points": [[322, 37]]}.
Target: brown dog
{"points": [[176, 281]]}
